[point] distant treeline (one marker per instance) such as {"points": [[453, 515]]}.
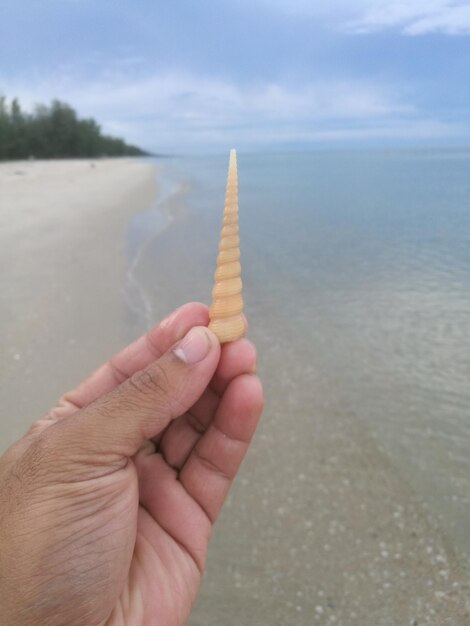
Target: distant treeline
{"points": [[53, 132]]}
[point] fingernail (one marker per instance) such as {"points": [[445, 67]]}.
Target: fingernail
{"points": [[194, 347]]}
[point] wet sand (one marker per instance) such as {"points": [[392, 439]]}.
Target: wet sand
{"points": [[320, 527]]}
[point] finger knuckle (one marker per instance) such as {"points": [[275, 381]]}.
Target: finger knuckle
{"points": [[157, 387], [152, 382]]}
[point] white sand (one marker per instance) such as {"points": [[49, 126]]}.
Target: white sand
{"points": [[62, 266]]}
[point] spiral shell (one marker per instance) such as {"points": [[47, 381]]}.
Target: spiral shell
{"points": [[226, 319]]}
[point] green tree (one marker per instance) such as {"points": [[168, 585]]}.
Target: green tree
{"points": [[54, 131], [4, 128]]}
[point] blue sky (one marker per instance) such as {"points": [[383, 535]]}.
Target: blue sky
{"points": [[199, 75]]}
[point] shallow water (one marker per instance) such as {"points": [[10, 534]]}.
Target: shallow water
{"points": [[363, 259]]}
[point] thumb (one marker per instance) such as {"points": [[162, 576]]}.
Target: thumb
{"points": [[142, 406]]}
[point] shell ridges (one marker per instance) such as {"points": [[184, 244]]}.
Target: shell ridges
{"points": [[226, 318]]}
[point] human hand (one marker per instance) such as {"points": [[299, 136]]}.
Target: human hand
{"points": [[107, 504]]}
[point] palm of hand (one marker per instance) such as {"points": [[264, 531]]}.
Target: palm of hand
{"points": [[169, 537], [181, 487], [171, 478], [131, 534]]}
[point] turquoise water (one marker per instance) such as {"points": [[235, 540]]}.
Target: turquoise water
{"points": [[358, 264]]}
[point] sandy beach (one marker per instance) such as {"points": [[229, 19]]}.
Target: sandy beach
{"points": [[62, 262], [320, 527]]}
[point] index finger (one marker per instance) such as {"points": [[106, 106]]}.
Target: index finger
{"points": [[137, 355]]}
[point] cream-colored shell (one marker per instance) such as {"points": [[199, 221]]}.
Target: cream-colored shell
{"points": [[226, 319]]}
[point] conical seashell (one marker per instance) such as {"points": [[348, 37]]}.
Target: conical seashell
{"points": [[226, 317]]}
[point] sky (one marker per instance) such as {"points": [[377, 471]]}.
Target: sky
{"points": [[205, 75]]}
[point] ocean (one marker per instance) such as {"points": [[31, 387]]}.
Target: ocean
{"points": [[356, 270]]}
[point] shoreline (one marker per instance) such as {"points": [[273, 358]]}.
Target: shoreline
{"points": [[144, 230], [63, 229]]}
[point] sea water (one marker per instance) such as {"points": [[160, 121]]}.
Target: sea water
{"points": [[358, 263]]}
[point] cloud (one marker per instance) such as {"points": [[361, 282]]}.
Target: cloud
{"points": [[419, 17], [178, 111], [456, 21], [409, 17]]}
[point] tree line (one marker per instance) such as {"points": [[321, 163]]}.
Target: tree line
{"points": [[54, 132]]}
